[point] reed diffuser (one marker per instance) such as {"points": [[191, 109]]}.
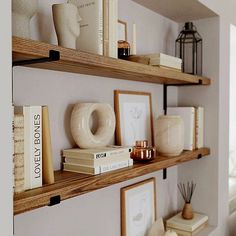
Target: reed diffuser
{"points": [[187, 191]]}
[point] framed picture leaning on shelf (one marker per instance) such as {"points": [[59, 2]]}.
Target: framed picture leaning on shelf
{"points": [[133, 117], [138, 207]]}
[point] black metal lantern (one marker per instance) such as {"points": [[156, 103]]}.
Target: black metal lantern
{"points": [[188, 47]]}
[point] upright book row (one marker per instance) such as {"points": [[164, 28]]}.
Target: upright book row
{"points": [[98, 27], [32, 148]]}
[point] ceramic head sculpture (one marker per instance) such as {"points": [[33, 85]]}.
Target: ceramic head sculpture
{"points": [[66, 21], [22, 12]]}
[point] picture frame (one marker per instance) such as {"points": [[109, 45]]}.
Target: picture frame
{"points": [[134, 119], [138, 208], [122, 30]]}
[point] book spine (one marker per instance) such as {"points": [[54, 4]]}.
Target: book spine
{"points": [[33, 146], [115, 166], [100, 27], [18, 156], [48, 173], [199, 127]]}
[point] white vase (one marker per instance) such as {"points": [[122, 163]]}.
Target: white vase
{"points": [[66, 21], [81, 124], [22, 12], [169, 135]]}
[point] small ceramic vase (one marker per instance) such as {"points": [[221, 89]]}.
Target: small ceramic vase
{"points": [[81, 124], [187, 212], [169, 135], [170, 233], [22, 12]]}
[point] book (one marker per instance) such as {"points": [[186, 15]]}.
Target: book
{"points": [[187, 226], [18, 155], [159, 59], [97, 153], [47, 161], [96, 162], [199, 127], [32, 145], [188, 116], [91, 25], [83, 169]]}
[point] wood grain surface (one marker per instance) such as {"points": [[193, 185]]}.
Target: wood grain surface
{"points": [[75, 61], [69, 184]]}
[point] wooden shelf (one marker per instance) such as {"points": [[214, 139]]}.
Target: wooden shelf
{"points": [[86, 63], [70, 184]]}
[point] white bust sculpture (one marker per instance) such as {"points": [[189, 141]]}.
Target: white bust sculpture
{"points": [[66, 21], [22, 12]]}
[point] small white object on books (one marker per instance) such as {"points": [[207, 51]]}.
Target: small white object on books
{"points": [[170, 233], [177, 222], [157, 228]]}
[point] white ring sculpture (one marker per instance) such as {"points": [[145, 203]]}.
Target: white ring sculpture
{"points": [[80, 127]]}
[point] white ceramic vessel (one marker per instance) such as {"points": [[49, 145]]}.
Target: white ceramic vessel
{"points": [[22, 12], [81, 123], [169, 135], [66, 21]]}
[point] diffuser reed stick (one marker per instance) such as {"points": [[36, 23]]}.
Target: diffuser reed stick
{"points": [[187, 190]]}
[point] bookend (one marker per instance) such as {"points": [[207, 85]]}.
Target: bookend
{"points": [[55, 200], [53, 56], [165, 86]]}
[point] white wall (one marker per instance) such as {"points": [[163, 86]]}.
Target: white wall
{"points": [[88, 214], [6, 166]]}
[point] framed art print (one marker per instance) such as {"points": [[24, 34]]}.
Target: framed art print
{"points": [[133, 117], [122, 30], [138, 208]]}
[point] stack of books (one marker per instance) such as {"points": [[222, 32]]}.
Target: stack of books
{"points": [[98, 27], [193, 118], [30, 148], [158, 59], [96, 161], [187, 227]]}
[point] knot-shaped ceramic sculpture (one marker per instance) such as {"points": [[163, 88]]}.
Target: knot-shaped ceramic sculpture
{"points": [[22, 12], [66, 21], [81, 122]]}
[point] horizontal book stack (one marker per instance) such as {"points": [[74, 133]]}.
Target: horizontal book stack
{"points": [[193, 118], [158, 59], [28, 147], [187, 227], [96, 161], [98, 27]]}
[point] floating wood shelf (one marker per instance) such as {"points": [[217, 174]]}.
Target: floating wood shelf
{"points": [[86, 63], [70, 184]]}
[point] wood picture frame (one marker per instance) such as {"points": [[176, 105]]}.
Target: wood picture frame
{"points": [[122, 30], [138, 207], [134, 119]]}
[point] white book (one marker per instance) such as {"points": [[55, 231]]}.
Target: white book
{"points": [[199, 127], [113, 28], [97, 162], [83, 169], [188, 116], [178, 222], [97, 153], [161, 59], [91, 25], [32, 145]]}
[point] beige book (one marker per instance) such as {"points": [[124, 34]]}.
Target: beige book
{"points": [[48, 173]]}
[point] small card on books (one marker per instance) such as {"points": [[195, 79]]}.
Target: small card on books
{"points": [[187, 227]]}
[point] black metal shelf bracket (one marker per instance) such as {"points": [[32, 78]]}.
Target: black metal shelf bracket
{"points": [[53, 56], [199, 156], [165, 173], [55, 200]]}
